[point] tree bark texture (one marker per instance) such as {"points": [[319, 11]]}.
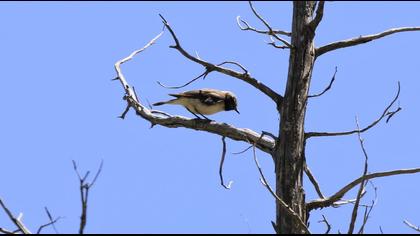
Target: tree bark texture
{"points": [[289, 151]]}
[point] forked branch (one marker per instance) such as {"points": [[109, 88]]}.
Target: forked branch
{"points": [[84, 188], [360, 40]]}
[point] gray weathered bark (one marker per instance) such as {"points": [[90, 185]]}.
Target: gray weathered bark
{"points": [[289, 152]]}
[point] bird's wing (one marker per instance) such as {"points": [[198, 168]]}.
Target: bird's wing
{"points": [[206, 96]]}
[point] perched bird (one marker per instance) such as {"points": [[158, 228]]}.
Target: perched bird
{"points": [[204, 101]]}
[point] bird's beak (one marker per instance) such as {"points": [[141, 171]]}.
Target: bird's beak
{"points": [[236, 109]]}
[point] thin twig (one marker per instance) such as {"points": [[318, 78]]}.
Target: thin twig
{"points": [[368, 209], [222, 160], [84, 193], [362, 184], [360, 40], [243, 151], [384, 114], [416, 228], [203, 75], [324, 220], [52, 221], [5, 231], [263, 133], [380, 229], [234, 63], [313, 181], [327, 88]]}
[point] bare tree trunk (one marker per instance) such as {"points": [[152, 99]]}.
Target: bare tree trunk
{"points": [[289, 152]]}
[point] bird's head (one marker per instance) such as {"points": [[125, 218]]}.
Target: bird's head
{"points": [[231, 103]]}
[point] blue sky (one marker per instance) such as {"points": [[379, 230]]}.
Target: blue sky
{"points": [[59, 104]]}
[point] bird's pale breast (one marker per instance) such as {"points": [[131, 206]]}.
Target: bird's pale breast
{"points": [[196, 106]]}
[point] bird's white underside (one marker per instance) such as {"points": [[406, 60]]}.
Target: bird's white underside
{"points": [[195, 106]]}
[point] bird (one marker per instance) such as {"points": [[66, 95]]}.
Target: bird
{"points": [[204, 101]]}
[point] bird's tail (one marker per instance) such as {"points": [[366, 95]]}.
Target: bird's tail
{"points": [[162, 103]]}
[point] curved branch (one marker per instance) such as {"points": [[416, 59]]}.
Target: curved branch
{"points": [[277, 98], [313, 181], [321, 203], [324, 220], [360, 40], [384, 114], [222, 160], [5, 231], [416, 228], [154, 117], [204, 75], [327, 88]]}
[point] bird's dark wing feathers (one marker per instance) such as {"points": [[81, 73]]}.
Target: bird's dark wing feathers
{"points": [[208, 96]]}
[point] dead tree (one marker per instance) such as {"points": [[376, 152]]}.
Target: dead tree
{"points": [[288, 147]]}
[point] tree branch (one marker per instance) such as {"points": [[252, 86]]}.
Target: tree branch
{"points": [[359, 40], [362, 184], [322, 203], [277, 98], [416, 228], [204, 75], [324, 220], [384, 114], [368, 210], [5, 231], [17, 221], [222, 160], [52, 222], [327, 88], [313, 181], [155, 117]]}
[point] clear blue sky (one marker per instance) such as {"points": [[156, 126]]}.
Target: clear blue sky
{"points": [[59, 104]]}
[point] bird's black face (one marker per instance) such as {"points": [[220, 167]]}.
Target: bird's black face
{"points": [[231, 103]]}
